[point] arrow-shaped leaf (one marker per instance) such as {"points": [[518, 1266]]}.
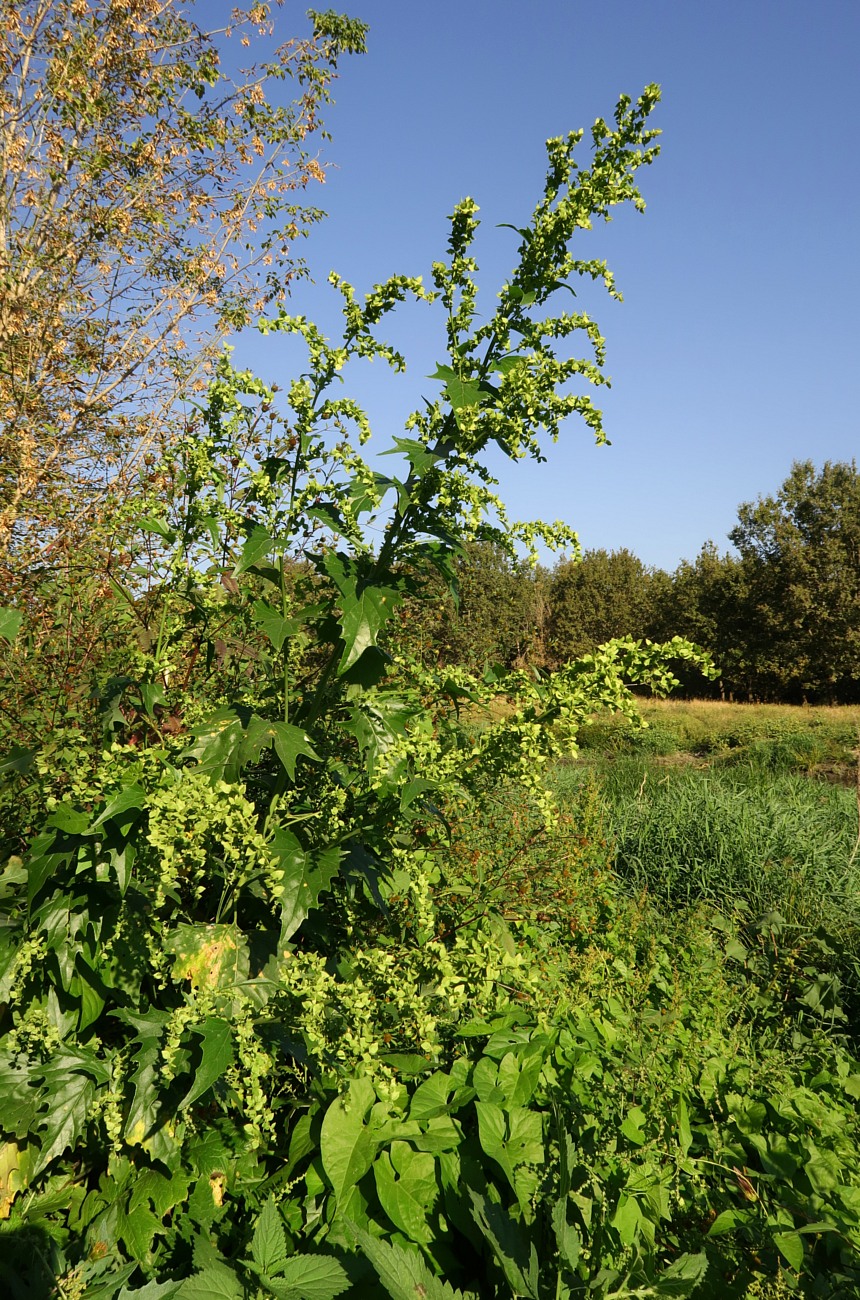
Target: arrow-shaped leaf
{"points": [[217, 1040]]}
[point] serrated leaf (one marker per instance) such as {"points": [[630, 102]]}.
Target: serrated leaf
{"points": [[208, 956], [346, 1145], [69, 820], [566, 1236], [403, 1273], [69, 1095], [305, 877], [309, 1277], [215, 1282], [421, 457], [681, 1278], [152, 1291], [685, 1135], [463, 393], [269, 1243], [144, 1125], [514, 1251], [10, 623]]}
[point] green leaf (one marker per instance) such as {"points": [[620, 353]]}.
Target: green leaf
{"points": [[421, 457], [10, 623], [258, 544], [291, 743], [149, 524], [18, 760], [70, 820], [21, 1100], [215, 1282], [276, 627], [309, 1277], [407, 1189], [511, 1137], [682, 1277], [566, 1236], [362, 619], [305, 877], [632, 1126], [685, 1135], [514, 1252], [727, 1222], [269, 1243], [217, 1057], [627, 1218], [151, 1291], [790, 1246], [346, 1144], [463, 393], [131, 798], [430, 1098], [69, 1093], [403, 1272], [145, 1126]]}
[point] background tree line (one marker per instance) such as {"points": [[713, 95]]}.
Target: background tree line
{"points": [[780, 614]]}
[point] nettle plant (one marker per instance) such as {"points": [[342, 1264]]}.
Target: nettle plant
{"points": [[232, 907]]}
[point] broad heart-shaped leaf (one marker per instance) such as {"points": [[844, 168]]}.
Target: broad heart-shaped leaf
{"points": [[10, 623], [511, 1137], [514, 1252], [215, 1282], [269, 1243], [407, 1189], [216, 1058], [403, 1273], [790, 1246], [362, 619], [20, 1100], [346, 1144], [309, 1277]]}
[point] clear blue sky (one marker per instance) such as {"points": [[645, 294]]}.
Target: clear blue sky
{"points": [[735, 351]]}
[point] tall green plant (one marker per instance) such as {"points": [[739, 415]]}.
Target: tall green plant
{"points": [[227, 909]]}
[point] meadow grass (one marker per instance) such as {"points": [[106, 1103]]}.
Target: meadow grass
{"points": [[723, 804]]}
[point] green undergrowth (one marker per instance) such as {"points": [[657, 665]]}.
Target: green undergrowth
{"points": [[741, 836], [625, 1101]]}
